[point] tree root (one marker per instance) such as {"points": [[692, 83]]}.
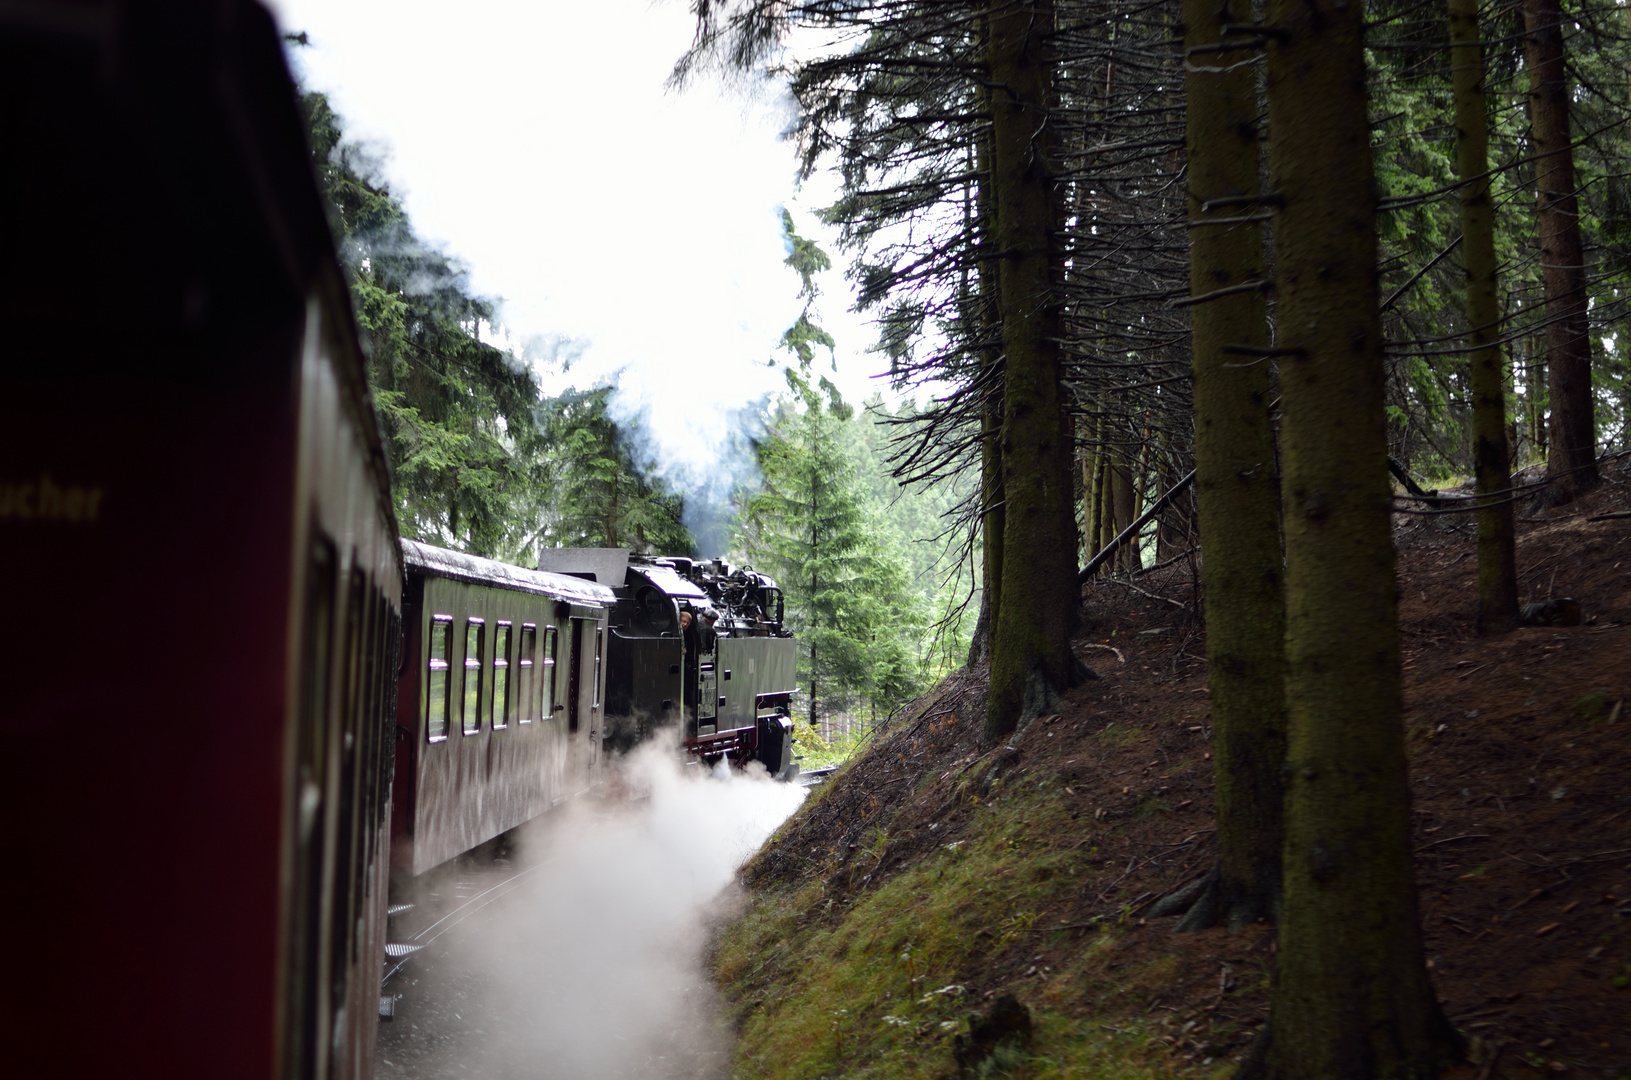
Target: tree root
{"points": [[1255, 1065], [1203, 906]]}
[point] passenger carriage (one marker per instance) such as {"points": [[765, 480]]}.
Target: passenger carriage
{"points": [[500, 703], [202, 577]]}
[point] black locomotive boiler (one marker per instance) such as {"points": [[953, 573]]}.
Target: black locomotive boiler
{"points": [[697, 645]]}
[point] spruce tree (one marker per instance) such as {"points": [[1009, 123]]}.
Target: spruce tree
{"points": [[1236, 479], [811, 527], [1497, 554], [1351, 995], [1571, 460]]}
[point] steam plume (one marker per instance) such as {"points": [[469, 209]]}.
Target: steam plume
{"points": [[592, 969]]}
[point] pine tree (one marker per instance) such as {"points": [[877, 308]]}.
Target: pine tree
{"points": [[1492, 460], [1351, 995], [457, 412], [1571, 462], [1236, 478], [598, 496], [1030, 642], [810, 526]]}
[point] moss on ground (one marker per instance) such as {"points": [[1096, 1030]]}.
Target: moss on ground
{"points": [[929, 875], [826, 982]]}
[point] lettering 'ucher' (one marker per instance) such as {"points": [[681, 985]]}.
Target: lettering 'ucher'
{"points": [[47, 500]]}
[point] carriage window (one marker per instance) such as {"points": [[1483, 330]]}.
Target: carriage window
{"points": [[529, 645], [437, 683], [600, 636], [501, 675], [547, 676], [475, 640]]}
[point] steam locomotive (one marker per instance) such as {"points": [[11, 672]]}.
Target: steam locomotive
{"points": [[236, 702], [695, 644]]}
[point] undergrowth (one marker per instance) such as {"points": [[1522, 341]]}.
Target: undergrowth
{"points": [[814, 752], [928, 876], [826, 982]]}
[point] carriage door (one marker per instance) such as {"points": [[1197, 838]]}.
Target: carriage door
{"points": [[574, 678], [707, 684], [307, 1018], [597, 684]]}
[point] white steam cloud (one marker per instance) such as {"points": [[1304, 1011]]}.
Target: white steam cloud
{"points": [[593, 968]]}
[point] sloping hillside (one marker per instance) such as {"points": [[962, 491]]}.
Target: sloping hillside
{"points": [[930, 878]]}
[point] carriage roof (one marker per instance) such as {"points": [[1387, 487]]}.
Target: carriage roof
{"points": [[473, 568]]}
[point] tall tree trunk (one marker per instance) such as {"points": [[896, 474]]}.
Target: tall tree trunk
{"points": [[992, 518], [815, 720], [1124, 510], [1090, 483], [1166, 528], [1571, 461], [1236, 481], [1133, 553], [1030, 651], [1351, 995], [1107, 500], [1536, 382], [993, 515], [1497, 558]]}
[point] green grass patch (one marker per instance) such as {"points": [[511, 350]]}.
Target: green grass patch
{"points": [[869, 986], [1593, 708], [1119, 733]]}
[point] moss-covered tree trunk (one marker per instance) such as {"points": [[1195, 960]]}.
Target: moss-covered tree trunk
{"points": [[1030, 649], [1571, 461], [1236, 481], [1351, 996], [1497, 559]]}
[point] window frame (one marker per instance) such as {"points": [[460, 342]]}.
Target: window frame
{"points": [[525, 698], [498, 708], [547, 678], [444, 624], [478, 626]]}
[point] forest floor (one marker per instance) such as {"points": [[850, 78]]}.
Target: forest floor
{"points": [[929, 878]]}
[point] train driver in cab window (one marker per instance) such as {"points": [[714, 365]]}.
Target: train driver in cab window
{"points": [[688, 632]]}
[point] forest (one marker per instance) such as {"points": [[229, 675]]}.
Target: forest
{"points": [[1260, 282], [1266, 280]]}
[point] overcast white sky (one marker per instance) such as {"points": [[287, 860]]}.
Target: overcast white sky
{"points": [[535, 140]]}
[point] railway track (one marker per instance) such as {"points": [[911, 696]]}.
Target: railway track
{"points": [[473, 892]]}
